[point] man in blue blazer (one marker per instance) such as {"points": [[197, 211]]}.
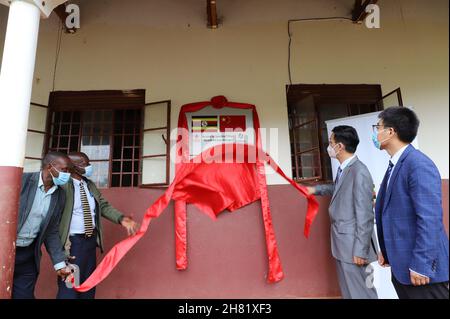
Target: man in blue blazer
{"points": [[409, 211]]}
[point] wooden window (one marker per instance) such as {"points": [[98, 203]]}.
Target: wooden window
{"points": [[36, 135], [108, 127], [309, 106], [156, 146]]}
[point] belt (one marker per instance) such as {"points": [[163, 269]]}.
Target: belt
{"points": [[84, 235]]}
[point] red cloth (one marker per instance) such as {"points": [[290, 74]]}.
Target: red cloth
{"points": [[212, 187]]}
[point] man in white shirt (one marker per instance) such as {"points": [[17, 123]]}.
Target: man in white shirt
{"points": [[81, 228]]}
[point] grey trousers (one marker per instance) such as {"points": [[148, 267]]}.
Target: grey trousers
{"points": [[354, 281]]}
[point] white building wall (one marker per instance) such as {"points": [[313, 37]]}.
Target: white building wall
{"points": [[165, 47]]}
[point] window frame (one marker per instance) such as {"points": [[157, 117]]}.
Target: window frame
{"points": [[167, 141], [330, 92], [107, 100]]}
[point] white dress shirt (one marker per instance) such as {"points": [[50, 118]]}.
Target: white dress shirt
{"points": [[77, 222], [345, 163], [395, 158]]}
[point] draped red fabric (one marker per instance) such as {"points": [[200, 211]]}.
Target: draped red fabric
{"points": [[212, 186]]}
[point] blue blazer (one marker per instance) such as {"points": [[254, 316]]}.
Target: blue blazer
{"points": [[409, 225]]}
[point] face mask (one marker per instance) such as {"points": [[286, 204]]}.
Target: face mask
{"points": [[331, 151], [375, 140], [88, 171], [62, 178]]}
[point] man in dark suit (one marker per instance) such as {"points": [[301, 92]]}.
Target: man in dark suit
{"points": [[409, 211], [41, 204]]}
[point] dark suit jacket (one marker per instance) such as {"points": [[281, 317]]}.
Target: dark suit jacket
{"points": [[48, 234], [410, 227]]}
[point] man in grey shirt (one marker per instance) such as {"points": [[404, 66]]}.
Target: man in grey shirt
{"points": [[352, 216], [41, 204]]}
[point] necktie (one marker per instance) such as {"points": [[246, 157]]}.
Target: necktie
{"points": [[381, 195], [88, 225], [384, 184], [338, 175]]}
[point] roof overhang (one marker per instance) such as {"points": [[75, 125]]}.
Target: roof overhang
{"points": [[46, 7]]}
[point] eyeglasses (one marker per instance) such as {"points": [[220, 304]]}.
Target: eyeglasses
{"points": [[376, 128]]}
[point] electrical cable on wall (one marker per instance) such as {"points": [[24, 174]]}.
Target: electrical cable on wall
{"points": [[58, 50], [290, 37]]}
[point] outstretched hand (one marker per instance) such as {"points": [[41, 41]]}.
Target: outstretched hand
{"points": [[130, 225]]}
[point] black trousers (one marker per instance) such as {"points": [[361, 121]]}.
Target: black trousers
{"points": [[25, 272], [84, 250], [431, 291]]}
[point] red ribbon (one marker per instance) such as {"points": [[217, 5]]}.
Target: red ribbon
{"points": [[212, 186]]}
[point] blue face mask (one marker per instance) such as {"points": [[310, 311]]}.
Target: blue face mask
{"points": [[62, 178], [375, 140], [88, 171]]}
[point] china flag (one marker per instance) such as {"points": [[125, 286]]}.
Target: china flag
{"points": [[232, 122]]}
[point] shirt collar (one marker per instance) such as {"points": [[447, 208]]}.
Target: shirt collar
{"points": [[78, 182], [42, 187], [346, 162], [396, 156], [41, 181]]}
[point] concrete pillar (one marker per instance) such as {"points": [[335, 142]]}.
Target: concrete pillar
{"points": [[16, 79]]}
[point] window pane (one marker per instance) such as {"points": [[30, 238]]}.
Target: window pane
{"points": [[94, 144], [64, 142], [127, 153], [154, 143], [100, 173], [65, 129], [309, 164], [128, 140], [154, 170], [126, 180], [117, 166], [115, 182], [75, 129], [306, 137], [303, 111], [156, 115], [127, 167], [94, 150], [74, 144]]}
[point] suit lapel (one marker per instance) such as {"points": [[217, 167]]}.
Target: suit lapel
{"points": [[394, 175], [342, 178], [32, 188]]}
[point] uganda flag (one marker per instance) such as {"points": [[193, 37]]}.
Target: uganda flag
{"points": [[204, 124]]}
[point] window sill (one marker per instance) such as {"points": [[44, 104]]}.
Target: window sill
{"points": [[312, 182], [158, 186]]}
